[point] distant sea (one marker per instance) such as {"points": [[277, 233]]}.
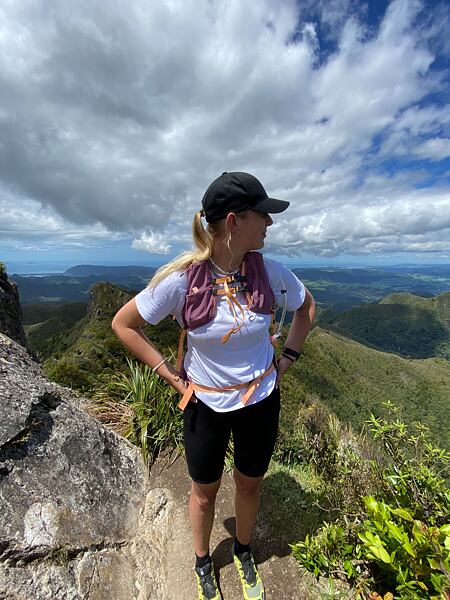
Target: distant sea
{"points": [[50, 268], [41, 268]]}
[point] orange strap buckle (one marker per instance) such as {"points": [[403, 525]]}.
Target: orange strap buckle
{"points": [[251, 387]]}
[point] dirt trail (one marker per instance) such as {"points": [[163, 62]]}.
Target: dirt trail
{"points": [[279, 571]]}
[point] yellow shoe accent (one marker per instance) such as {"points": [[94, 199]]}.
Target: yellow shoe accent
{"points": [[206, 583], [252, 586]]}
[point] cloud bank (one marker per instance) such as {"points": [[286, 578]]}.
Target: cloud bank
{"points": [[114, 118]]}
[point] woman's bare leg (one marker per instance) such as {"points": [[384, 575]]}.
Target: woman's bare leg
{"points": [[246, 504], [201, 513]]}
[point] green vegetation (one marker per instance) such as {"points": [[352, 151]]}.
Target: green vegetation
{"points": [[47, 327], [399, 541], [341, 289], [402, 323], [353, 381], [40, 313], [3, 269], [88, 354], [143, 408]]}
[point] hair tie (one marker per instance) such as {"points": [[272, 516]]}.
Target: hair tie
{"points": [[202, 212]]}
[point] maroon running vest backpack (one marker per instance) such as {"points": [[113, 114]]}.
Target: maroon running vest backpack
{"points": [[203, 287]]}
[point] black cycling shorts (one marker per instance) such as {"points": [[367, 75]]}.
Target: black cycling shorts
{"points": [[206, 436]]}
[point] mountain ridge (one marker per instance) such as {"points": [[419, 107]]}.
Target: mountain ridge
{"points": [[346, 375], [334, 288], [402, 323]]}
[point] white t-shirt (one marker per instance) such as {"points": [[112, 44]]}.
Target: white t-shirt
{"points": [[246, 354]]}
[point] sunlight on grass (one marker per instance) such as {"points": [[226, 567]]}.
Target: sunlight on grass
{"points": [[141, 407]]}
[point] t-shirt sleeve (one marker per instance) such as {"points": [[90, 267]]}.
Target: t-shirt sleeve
{"points": [[282, 278], [167, 298]]}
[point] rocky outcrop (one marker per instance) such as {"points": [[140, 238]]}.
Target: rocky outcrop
{"points": [[105, 300], [78, 518], [10, 310]]}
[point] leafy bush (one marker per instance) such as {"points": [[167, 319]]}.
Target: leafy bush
{"points": [[312, 438], [67, 373], [410, 554], [2, 268], [143, 408], [400, 541], [317, 438]]}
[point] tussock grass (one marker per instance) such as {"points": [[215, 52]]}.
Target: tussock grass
{"points": [[141, 407]]}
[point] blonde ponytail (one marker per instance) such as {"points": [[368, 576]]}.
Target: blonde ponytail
{"points": [[204, 242]]}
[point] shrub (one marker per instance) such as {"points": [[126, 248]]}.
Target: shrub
{"points": [[312, 439], [409, 555], [66, 373], [400, 541], [334, 451], [143, 408]]}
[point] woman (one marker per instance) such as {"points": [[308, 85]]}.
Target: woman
{"points": [[230, 359]]}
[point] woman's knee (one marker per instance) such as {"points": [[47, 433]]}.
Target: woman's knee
{"points": [[247, 486], [204, 495]]}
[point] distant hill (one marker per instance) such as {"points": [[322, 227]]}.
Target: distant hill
{"points": [[334, 289], [39, 313], [112, 273], [341, 289], [75, 283], [354, 380], [44, 323], [402, 323], [85, 356], [350, 378]]}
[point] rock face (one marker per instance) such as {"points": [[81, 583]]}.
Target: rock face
{"points": [[106, 299], [78, 518], [10, 310]]}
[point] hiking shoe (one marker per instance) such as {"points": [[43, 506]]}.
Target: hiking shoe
{"points": [[206, 583], [252, 586]]}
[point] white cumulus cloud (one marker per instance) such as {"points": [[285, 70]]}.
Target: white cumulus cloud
{"points": [[114, 118], [152, 242]]}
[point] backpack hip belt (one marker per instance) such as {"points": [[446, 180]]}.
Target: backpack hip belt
{"points": [[250, 385]]}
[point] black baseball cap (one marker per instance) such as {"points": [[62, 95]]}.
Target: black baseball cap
{"points": [[236, 192]]}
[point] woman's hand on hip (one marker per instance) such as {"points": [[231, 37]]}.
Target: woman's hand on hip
{"points": [[179, 383], [282, 366]]}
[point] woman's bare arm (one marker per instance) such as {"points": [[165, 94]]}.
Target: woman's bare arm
{"points": [[300, 327], [127, 325]]}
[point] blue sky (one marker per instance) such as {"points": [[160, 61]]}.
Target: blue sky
{"points": [[114, 118]]}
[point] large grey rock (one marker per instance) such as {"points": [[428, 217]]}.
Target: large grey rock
{"points": [[10, 310], [78, 518]]}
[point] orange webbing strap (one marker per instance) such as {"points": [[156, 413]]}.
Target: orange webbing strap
{"points": [[227, 279], [223, 292], [250, 385], [232, 300]]}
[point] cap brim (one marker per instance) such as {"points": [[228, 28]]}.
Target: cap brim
{"points": [[271, 205]]}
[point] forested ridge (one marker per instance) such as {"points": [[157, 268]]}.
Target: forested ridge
{"points": [[401, 323], [351, 378]]}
